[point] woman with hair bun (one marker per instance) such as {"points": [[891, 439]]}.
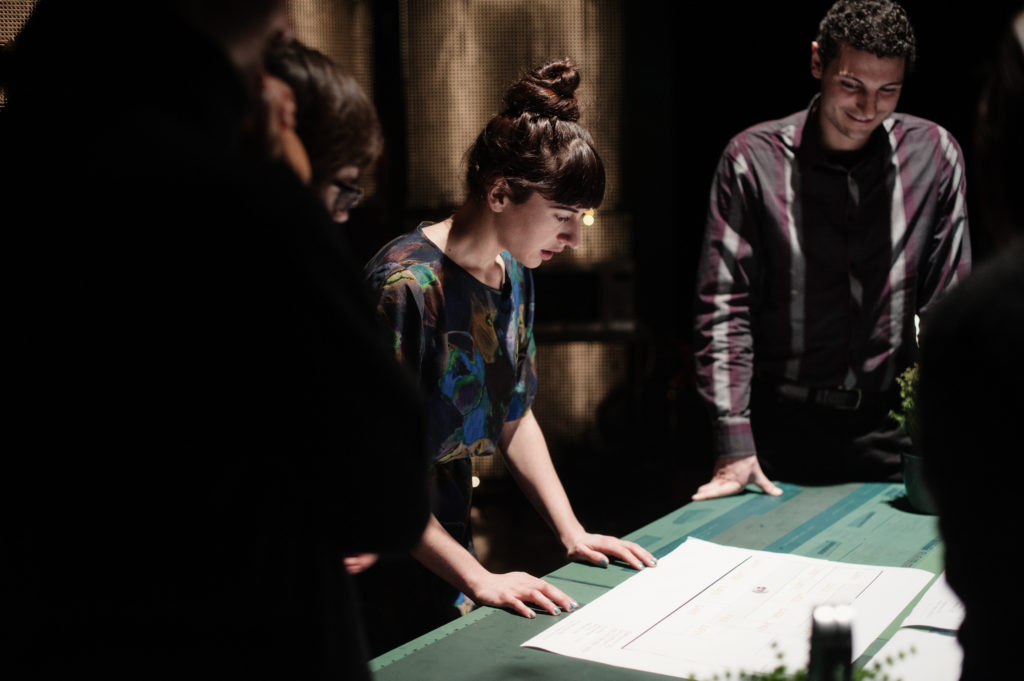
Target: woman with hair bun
{"points": [[458, 297]]}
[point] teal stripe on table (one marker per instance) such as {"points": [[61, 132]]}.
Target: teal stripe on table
{"points": [[758, 504], [836, 512]]}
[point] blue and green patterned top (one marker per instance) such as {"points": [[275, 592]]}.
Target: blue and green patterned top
{"points": [[470, 345]]}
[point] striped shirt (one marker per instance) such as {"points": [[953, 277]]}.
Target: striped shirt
{"points": [[812, 270]]}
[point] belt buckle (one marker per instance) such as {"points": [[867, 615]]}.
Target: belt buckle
{"points": [[791, 391]]}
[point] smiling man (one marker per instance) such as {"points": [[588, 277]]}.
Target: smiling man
{"points": [[828, 231]]}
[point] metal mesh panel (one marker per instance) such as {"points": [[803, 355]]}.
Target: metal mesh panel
{"points": [[343, 30], [575, 378], [13, 15], [458, 57]]}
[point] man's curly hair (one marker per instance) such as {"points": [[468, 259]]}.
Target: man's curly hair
{"points": [[880, 27]]}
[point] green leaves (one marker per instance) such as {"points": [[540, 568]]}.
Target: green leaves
{"points": [[906, 413]]}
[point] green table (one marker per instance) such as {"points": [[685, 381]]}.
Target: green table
{"points": [[855, 523]]}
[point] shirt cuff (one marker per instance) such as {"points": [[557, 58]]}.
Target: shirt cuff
{"points": [[734, 438]]}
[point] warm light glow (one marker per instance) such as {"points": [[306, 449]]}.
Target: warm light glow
{"points": [[588, 218], [476, 481]]}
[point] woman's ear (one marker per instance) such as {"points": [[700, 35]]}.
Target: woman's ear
{"points": [[498, 196]]}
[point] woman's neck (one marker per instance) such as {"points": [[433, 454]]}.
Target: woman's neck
{"points": [[470, 238]]}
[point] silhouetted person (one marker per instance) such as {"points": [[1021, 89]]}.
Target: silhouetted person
{"points": [[190, 356], [970, 394]]}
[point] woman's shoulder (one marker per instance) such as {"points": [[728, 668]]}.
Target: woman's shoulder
{"points": [[411, 257]]}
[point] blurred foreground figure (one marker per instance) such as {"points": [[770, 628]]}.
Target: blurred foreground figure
{"points": [[971, 397], [189, 359]]}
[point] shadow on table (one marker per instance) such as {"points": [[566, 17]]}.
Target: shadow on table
{"points": [[902, 503]]}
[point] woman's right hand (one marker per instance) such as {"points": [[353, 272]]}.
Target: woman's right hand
{"points": [[517, 590]]}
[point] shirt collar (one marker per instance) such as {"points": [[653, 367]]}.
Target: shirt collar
{"points": [[807, 138]]}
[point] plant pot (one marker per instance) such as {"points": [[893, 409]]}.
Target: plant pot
{"points": [[917, 489]]}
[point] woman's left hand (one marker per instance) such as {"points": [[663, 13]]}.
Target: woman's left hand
{"points": [[356, 563], [597, 548]]}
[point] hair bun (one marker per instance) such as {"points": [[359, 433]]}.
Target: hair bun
{"points": [[548, 91]]}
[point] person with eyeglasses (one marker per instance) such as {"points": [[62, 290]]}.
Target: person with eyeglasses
{"points": [[335, 120], [457, 298], [342, 196]]}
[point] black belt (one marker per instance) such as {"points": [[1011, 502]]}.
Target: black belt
{"points": [[839, 398], [845, 399]]}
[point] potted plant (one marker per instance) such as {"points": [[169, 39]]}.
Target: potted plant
{"points": [[913, 463]]}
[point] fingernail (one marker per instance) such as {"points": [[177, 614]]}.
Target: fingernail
{"points": [[604, 562], [558, 611], [573, 605], [654, 562], [531, 614]]}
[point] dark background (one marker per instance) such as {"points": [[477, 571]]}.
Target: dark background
{"points": [[694, 74]]}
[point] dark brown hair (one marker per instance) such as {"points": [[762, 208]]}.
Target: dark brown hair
{"points": [[334, 119], [536, 143], [880, 27]]}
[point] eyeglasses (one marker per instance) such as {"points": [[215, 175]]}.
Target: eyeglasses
{"points": [[348, 197]]}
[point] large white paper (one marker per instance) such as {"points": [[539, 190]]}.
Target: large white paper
{"points": [[939, 608], [916, 655], [709, 609]]}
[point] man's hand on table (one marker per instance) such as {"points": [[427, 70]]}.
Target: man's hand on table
{"points": [[732, 475]]}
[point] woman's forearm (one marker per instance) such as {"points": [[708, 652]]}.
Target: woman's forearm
{"points": [[529, 460], [448, 559]]}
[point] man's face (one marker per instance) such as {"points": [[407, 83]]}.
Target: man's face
{"points": [[858, 92]]}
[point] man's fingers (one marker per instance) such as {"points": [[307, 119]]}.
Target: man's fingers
{"points": [[766, 485], [717, 488]]}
